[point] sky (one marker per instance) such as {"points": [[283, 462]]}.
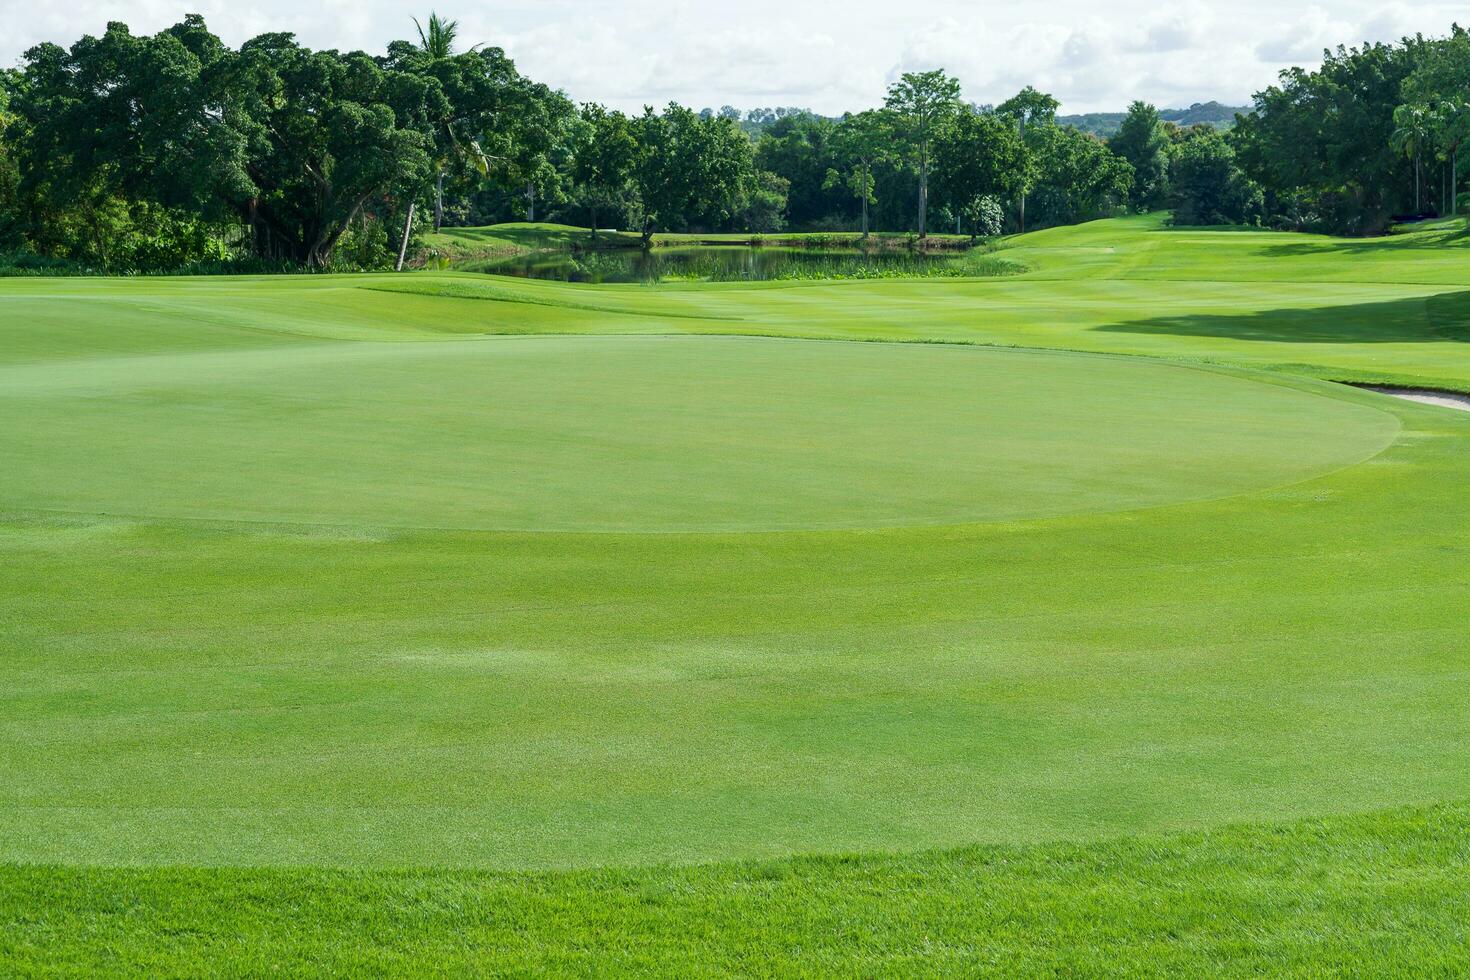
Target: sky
{"points": [[826, 55]]}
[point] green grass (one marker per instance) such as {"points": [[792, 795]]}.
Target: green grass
{"points": [[1382, 894], [654, 434], [316, 652]]}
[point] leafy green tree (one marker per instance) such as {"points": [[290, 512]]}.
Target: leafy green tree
{"points": [[977, 155], [122, 137], [1440, 83], [1451, 124], [542, 127], [11, 231], [802, 148], [1077, 178], [764, 210], [1210, 187], [1320, 142], [920, 102], [605, 155], [1143, 141], [1032, 111], [861, 143], [329, 133], [689, 169]]}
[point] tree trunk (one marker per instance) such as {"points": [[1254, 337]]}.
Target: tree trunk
{"points": [[866, 191], [403, 246], [531, 206], [594, 223], [439, 204], [923, 193], [1023, 151], [254, 229]]}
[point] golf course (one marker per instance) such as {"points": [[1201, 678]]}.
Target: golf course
{"points": [[1087, 614]]}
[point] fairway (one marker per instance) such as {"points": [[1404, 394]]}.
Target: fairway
{"points": [[653, 434], [591, 594]]}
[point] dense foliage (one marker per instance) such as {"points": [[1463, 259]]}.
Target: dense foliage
{"points": [[175, 151], [1375, 132]]}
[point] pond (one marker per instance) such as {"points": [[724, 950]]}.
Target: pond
{"points": [[716, 263]]}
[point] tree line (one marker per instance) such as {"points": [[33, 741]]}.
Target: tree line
{"points": [[176, 151], [1374, 133]]}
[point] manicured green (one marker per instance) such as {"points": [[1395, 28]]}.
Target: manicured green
{"points": [[653, 434], [313, 573]]}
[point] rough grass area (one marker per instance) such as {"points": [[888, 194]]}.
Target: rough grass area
{"points": [[1384, 894]]}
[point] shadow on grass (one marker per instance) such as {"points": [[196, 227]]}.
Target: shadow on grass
{"points": [[1456, 235], [1443, 318]]}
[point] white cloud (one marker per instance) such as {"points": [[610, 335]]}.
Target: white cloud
{"points": [[830, 55], [1305, 38]]}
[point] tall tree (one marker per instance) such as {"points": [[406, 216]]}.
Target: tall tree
{"points": [[920, 101], [801, 148], [1144, 143], [605, 154], [1320, 142], [11, 230], [1413, 136], [1209, 187], [861, 142], [330, 133], [689, 169], [1030, 110], [455, 144], [1441, 84], [122, 124], [977, 155], [541, 125], [1077, 178]]}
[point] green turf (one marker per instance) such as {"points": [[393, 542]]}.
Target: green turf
{"points": [[1379, 894], [653, 434], [1057, 598]]}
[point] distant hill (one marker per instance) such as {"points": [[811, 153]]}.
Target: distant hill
{"points": [[1107, 123]]}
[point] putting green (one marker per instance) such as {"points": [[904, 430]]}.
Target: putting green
{"points": [[653, 434]]}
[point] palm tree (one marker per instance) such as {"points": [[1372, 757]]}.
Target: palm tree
{"points": [[1412, 138], [438, 41], [1452, 131]]}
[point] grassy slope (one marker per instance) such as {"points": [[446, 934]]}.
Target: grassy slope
{"points": [[1294, 652]]}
